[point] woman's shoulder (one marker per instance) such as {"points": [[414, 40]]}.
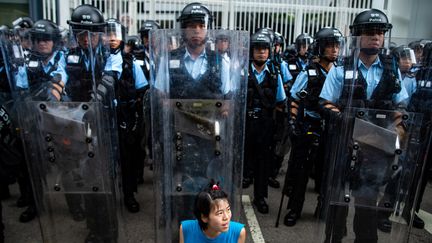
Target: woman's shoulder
{"points": [[189, 223], [236, 226]]}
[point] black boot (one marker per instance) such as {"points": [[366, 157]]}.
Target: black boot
{"points": [[4, 191], [28, 215], [131, 204]]}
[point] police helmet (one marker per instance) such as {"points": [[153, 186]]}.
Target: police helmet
{"points": [[22, 22], [418, 45], [279, 39], [290, 52], [45, 30], [133, 41], [115, 27], [303, 39], [4, 28], [87, 17], [427, 55], [260, 40], [403, 51], [370, 19], [222, 35], [147, 26], [195, 12], [324, 37], [267, 31]]}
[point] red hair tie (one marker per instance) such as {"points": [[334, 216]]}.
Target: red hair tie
{"points": [[215, 187]]}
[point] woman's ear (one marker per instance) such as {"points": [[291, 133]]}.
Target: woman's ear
{"points": [[204, 218]]}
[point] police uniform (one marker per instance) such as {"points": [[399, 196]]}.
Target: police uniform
{"points": [[295, 66], [377, 88], [420, 89], [265, 91], [307, 148], [98, 208], [130, 88], [202, 78]]}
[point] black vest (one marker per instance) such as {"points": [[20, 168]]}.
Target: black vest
{"points": [[37, 77], [183, 86], [80, 85], [266, 98], [421, 100], [125, 86], [141, 56], [314, 86], [4, 81], [382, 96], [294, 66]]}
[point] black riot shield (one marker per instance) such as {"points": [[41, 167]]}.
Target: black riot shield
{"points": [[70, 141], [198, 124], [373, 160]]}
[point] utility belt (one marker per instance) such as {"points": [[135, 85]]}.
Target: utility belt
{"points": [[258, 113]]}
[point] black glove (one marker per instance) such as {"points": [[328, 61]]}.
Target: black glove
{"points": [[105, 89]]}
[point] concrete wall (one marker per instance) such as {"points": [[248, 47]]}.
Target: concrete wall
{"points": [[411, 18]]}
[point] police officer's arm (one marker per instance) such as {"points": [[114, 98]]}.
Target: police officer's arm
{"points": [[401, 101], [59, 78], [286, 74], [280, 95], [294, 102], [141, 83], [331, 91]]}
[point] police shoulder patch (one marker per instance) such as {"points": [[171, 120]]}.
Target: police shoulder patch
{"points": [[312, 72], [73, 59], [175, 63]]}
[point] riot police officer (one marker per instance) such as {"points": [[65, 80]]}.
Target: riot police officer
{"points": [[194, 74], [45, 77], [265, 94], [92, 74], [47, 65], [21, 26], [420, 102], [143, 55], [305, 120], [298, 62], [376, 86], [406, 59], [279, 43], [222, 47], [130, 89], [209, 79]]}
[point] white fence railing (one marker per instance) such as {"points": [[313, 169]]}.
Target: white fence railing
{"points": [[289, 17]]}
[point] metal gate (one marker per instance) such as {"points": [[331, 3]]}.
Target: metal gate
{"points": [[289, 17]]}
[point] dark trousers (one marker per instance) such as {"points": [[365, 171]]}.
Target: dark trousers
{"points": [[307, 151], [130, 160], [101, 215], [1, 224], [370, 173], [258, 153]]}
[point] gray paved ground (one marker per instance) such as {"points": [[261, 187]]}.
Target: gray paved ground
{"points": [[140, 226]]}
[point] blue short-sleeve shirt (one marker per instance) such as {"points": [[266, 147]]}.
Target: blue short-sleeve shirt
{"points": [[333, 84]]}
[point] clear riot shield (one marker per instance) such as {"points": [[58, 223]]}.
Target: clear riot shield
{"points": [[70, 143], [372, 165], [198, 123]]}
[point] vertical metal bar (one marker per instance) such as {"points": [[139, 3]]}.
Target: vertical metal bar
{"points": [[268, 13]]}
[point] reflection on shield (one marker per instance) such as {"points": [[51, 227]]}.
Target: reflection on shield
{"points": [[380, 138]]}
